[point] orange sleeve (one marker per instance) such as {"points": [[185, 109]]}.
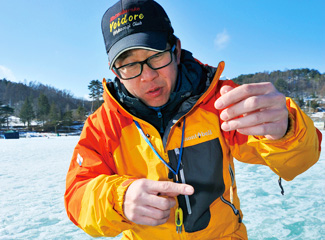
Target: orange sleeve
{"points": [[289, 156], [94, 191]]}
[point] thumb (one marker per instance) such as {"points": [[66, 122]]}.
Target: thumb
{"points": [[171, 189]]}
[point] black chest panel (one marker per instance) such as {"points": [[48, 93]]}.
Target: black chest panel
{"points": [[202, 166]]}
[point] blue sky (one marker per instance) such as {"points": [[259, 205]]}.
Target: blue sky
{"points": [[59, 43]]}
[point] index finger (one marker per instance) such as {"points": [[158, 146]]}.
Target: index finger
{"points": [[170, 189], [242, 92]]}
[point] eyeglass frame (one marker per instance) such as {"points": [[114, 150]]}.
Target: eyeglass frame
{"points": [[171, 51]]}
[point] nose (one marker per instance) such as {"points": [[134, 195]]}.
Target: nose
{"points": [[148, 74]]}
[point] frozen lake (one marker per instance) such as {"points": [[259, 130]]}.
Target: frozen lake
{"points": [[32, 184]]}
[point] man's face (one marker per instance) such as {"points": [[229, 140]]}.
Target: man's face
{"points": [[153, 87]]}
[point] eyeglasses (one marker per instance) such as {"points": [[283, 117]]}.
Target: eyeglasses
{"points": [[155, 62]]}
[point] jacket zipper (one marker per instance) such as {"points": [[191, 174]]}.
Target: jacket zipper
{"points": [[180, 177], [234, 209], [230, 204], [232, 184], [187, 198], [159, 114], [182, 180], [232, 175]]}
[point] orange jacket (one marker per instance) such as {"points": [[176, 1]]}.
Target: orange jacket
{"points": [[111, 153]]}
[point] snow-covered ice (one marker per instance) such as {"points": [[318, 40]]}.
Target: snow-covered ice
{"points": [[32, 184], [299, 214]]}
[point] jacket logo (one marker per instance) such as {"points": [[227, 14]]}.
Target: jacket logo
{"points": [[79, 159], [199, 135]]}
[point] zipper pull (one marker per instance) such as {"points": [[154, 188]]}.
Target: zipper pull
{"points": [[179, 219], [280, 184], [176, 177]]}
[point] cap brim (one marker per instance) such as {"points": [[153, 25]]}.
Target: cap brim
{"points": [[155, 41]]}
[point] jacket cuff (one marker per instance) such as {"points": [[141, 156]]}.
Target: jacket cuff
{"points": [[121, 190]]}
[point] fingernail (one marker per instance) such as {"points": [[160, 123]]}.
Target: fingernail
{"points": [[218, 104], [225, 126], [224, 116], [189, 190]]}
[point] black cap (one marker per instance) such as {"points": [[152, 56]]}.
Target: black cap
{"points": [[131, 24]]}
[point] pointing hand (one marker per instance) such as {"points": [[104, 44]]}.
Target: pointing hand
{"points": [[149, 202]]}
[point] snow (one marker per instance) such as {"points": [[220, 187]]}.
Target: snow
{"points": [[15, 122], [32, 185], [299, 214]]}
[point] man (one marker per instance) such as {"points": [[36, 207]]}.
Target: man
{"points": [[155, 161]]}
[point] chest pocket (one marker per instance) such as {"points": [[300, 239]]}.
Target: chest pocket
{"points": [[202, 167]]}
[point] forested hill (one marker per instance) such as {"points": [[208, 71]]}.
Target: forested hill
{"points": [[15, 94], [296, 83]]}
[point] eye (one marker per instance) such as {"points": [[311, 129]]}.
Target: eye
{"points": [[157, 57], [128, 67]]}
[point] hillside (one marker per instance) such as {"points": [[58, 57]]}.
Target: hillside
{"points": [[296, 83], [45, 107], [14, 95]]}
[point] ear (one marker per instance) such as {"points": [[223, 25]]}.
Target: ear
{"points": [[179, 51]]}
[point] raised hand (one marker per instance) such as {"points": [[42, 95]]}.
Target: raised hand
{"points": [[254, 109], [149, 202]]}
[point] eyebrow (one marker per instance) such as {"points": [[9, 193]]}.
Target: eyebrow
{"points": [[123, 56]]}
